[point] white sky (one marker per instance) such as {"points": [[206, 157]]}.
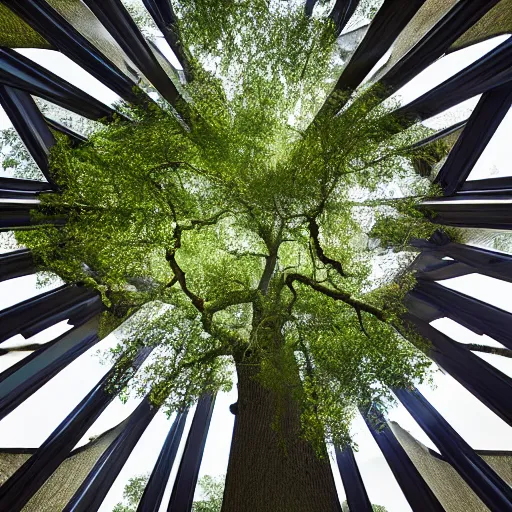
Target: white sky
{"points": [[35, 419]]}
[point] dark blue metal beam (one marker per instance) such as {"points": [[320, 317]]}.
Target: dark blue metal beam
{"points": [[42, 311], [415, 489], [62, 35], [342, 12], [389, 21], [76, 138], [481, 126], [30, 125], [489, 385], [357, 498], [16, 264], [483, 261], [165, 18], [185, 484], [430, 266], [20, 72], [486, 484], [436, 42], [123, 29], [17, 491], [490, 71], [96, 485], [478, 316], [309, 5], [441, 134], [16, 214], [23, 379], [454, 211], [155, 488], [486, 187]]}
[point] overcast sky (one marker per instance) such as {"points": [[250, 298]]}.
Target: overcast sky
{"points": [[35, 419]]}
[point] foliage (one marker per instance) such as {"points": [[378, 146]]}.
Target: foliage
{"points": [[211, 489], [244, 238], [375, 508], [132, 494]]}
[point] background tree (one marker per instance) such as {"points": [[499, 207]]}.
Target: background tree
{"points": [[376, 508], [211, 489], [132, 494], [244, 243]]}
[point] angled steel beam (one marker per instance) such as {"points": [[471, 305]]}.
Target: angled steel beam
{"points": [[16, 264], [24, 185], [487, 186], [456, 212], [165, 18], [481, 126], [477, 316], [155, 488], [492, 387], [96, 485], [439, 135], [19, 72], [357, 498], [430, 266], [121, 26], [31, 316], [341, 13], [62, 35], [389, 21], [490, 71], [14, 188], [75, 137], [21, 486], [16, 213], [309, 5], [415, 489], [30, 125], [486, 262], [23, 379], [436, 42], [188, 471], [484, 481]]}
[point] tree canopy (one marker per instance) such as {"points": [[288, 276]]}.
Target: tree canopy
{"points": [[249, 228]]}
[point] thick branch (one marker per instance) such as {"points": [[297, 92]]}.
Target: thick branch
{"points": [[170, 256], [499, 351], [314, 232], [179, 274], [231, 299], [337, 295], [20, 348]]}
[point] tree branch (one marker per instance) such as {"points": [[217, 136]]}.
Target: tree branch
{"points": [[336, 295], [499, 351], [21, 348], [179, 274], [314, 232]]}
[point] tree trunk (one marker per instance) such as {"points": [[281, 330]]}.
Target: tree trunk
{"points": [[273, 469]]}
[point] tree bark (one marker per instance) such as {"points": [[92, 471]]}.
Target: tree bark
{"points": [[273, 469]]}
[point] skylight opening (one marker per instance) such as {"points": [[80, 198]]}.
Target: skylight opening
{"points": [[494, 162], [68, 70], [443, 69]]}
